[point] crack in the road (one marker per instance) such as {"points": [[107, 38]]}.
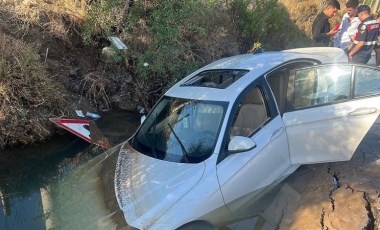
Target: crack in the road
{"points": [[363, 154], [281, 218], [371, 218], [323, 219], [363, 149], [336, 186], [332, 200], [349, 187]]}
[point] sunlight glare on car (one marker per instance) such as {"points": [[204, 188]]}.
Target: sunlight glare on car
{"points": [[335, 72]]}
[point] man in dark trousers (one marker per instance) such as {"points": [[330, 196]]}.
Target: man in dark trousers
{"points": [[321, 25], [368, 30]]}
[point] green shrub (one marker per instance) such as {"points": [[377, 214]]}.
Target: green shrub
{"points": [[167, 39], [158, 34], [104, 17], [268, 22]]}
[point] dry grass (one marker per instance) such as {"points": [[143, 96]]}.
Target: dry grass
{"points": [[303, 12], [94, 89], [32, 10], [28, 96], [59, 18]]}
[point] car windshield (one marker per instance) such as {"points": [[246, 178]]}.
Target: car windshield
{"points": [[180, 130]]}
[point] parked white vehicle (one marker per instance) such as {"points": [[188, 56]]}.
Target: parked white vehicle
{"points": [[228, 132]]}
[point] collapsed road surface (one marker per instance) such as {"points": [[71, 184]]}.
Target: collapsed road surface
{"points": [[342, 195]]}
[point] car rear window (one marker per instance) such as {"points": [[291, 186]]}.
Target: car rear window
{"points": [[216, 78]]}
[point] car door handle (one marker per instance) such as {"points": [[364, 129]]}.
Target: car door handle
{"points": [[276, 133], [362, 111]]}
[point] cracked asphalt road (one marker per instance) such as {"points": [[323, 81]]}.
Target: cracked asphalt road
{"points": [[342, 195]]}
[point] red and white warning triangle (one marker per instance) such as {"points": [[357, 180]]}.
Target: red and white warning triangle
{"points": [[85, 129]]}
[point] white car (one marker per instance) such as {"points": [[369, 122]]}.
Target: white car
{"points": [[230, 131]]}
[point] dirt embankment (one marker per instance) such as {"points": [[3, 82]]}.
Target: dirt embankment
{"points": [[53, 29], [47, 71]]}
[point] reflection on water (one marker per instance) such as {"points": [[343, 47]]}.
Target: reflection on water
{"points": [[85, 198], [22, 213], [27, 175]]}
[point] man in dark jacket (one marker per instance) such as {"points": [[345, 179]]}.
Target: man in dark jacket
{"points": [[368, 30], [321, 25]]}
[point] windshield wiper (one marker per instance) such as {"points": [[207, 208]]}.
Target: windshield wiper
{"points": [[183, 117], [153, 140], [185, 155]]}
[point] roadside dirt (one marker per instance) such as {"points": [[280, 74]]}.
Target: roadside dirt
{"points": [[351, 200]]}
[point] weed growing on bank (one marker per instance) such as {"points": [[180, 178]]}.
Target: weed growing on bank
{"points": [[28, 96]]}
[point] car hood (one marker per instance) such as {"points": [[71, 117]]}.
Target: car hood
{"points": [[147, 187]]}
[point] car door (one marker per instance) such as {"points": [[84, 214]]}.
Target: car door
{"points": [[242, 175], [329, 109]]}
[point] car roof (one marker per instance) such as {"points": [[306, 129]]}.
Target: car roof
{"points": [[257, 65]]}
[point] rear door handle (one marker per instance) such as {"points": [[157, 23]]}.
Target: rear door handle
{"points": [[276, 133], [362, 111]]}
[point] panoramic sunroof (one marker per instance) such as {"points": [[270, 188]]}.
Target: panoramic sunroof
{"points": [[216, 78]]}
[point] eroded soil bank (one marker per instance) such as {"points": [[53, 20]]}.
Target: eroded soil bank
{"points": [[343, 195]]}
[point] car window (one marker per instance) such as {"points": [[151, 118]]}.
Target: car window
{"points": [[318, 86], [180, 130], [250, 115], [279, 78], [367, 82], [219, 78]]}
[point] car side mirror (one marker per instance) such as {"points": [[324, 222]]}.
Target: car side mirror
{"points": [[142, 119], [240, 143]]}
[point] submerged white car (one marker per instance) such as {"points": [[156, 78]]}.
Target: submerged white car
{"points": [[228, 132]]}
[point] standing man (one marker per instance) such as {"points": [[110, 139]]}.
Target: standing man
{"points": [[368, 31], [377, 46], [321, 25], [348, 27]]}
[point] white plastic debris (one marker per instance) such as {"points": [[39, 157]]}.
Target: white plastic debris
{"points": [[93, 115], [118, 43], [336, 181], [146, 64], [142, 119], [79, 113]]}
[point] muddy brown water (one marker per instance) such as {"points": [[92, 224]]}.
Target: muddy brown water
{"points": [[67, 183]]}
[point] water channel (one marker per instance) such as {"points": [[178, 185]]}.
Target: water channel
{"points": [[32, 177], [67, 183]]}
